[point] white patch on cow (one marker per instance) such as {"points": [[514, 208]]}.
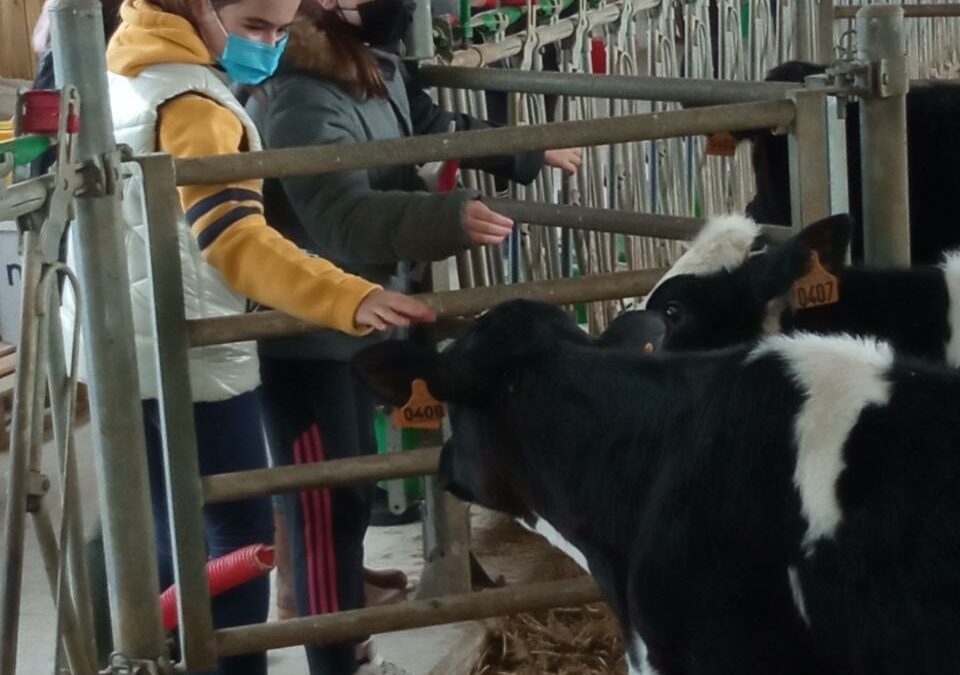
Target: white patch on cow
{"points": [[771, 316], [723, 243], [840, 376], [951, 276], [549, 532], [797, 591], [637, 658]]}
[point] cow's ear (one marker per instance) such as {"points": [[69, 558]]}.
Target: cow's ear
{"points": [[389, 368], [830, 238], [786, 263]]}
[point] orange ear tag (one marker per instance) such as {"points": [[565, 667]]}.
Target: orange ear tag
{"points": [[721, 144], [422, 411], [817, 288]]}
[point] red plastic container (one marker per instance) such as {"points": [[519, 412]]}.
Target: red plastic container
{"points": [[448, 175], [224, 573], [598, 56], [41, 114]]}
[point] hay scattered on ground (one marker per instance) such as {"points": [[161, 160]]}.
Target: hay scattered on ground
{"points": [[576, 641], [564, 641]]}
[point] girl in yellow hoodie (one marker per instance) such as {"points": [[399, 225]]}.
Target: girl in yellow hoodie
{"points": [[170, 66]]}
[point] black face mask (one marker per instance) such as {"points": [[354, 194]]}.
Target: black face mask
{"points": [[384, 22]]}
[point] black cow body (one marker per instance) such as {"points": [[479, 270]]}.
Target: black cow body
{"points": [[933, 145], [733, 286], [787, 508]]}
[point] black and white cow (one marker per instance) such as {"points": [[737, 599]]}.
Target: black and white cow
{"points": [[733, 285], [785, 508], [933, 144]]}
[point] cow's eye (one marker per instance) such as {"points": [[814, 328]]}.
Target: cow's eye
{"points": [[673, 312]]}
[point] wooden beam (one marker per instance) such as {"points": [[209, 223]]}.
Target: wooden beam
{"points": [[16, 55]]}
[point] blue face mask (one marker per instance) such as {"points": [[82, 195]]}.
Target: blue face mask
{"points": [[250, 62]]}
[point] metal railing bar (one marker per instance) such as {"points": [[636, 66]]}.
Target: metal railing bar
{"points": [[329, 628], [243, 327], [228, 487], [912, 11], [307, 161], [681, 90], [614, 221]]}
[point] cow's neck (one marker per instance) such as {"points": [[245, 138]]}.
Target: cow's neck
{"points": [[586, 457], [908, 308]]}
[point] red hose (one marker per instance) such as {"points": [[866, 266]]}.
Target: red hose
{"points": [[223, 574]]}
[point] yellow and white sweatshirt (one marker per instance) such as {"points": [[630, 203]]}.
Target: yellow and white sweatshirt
{"points": [[166, 96]]}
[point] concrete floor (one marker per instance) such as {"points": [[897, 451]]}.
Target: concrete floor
{"points": [[444, 650]]}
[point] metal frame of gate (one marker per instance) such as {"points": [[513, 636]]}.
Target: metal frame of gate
{"points": [[804, 112]]}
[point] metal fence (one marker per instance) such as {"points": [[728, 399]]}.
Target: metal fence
{"points": [[597, 220]]}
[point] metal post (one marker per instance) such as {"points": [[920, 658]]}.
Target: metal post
{"points": [[802, 26], [446, 540], [419, 40], [63, 409], [809, 159], [18, 474], [883, 136], [825, 31], [180, 460], [130, 548]]}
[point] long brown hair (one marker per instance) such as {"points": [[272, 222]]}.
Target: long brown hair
{"points": [[361, 74]]}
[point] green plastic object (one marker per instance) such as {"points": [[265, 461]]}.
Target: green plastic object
{"points": [[25, 149], [467, 27], [409, 440]]}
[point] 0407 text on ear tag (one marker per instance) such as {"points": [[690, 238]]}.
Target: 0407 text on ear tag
{"points": [[422, 411], [817, 288]]}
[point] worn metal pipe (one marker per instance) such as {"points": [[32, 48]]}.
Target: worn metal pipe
{"points": [[825, 14], [22, 198], [262, 325], [913, 11], [883, 136], [690, 92], [117, 418], [611, 220], [80, 655], [481, 143], [229, 487], [484, 54], [21, 440], [331, 628], [181, 463]]}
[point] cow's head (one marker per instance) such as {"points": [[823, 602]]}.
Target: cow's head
{"points": [[473, 377], [477, 377], [733, 284], [770, 154]]}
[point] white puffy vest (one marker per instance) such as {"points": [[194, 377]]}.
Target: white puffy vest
{"points": [[216, 373]]}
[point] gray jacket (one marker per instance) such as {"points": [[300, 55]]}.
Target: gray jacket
{"points": [[375, 223]]}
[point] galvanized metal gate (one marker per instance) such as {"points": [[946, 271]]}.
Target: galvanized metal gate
{"points": [[578, 227]]}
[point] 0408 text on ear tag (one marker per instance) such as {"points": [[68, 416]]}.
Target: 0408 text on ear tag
{"points": [[817, 288], [422, 411]]}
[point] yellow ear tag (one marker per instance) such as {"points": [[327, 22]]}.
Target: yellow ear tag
{"points": [[422, 411], [721, 144], [817, 288]]}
